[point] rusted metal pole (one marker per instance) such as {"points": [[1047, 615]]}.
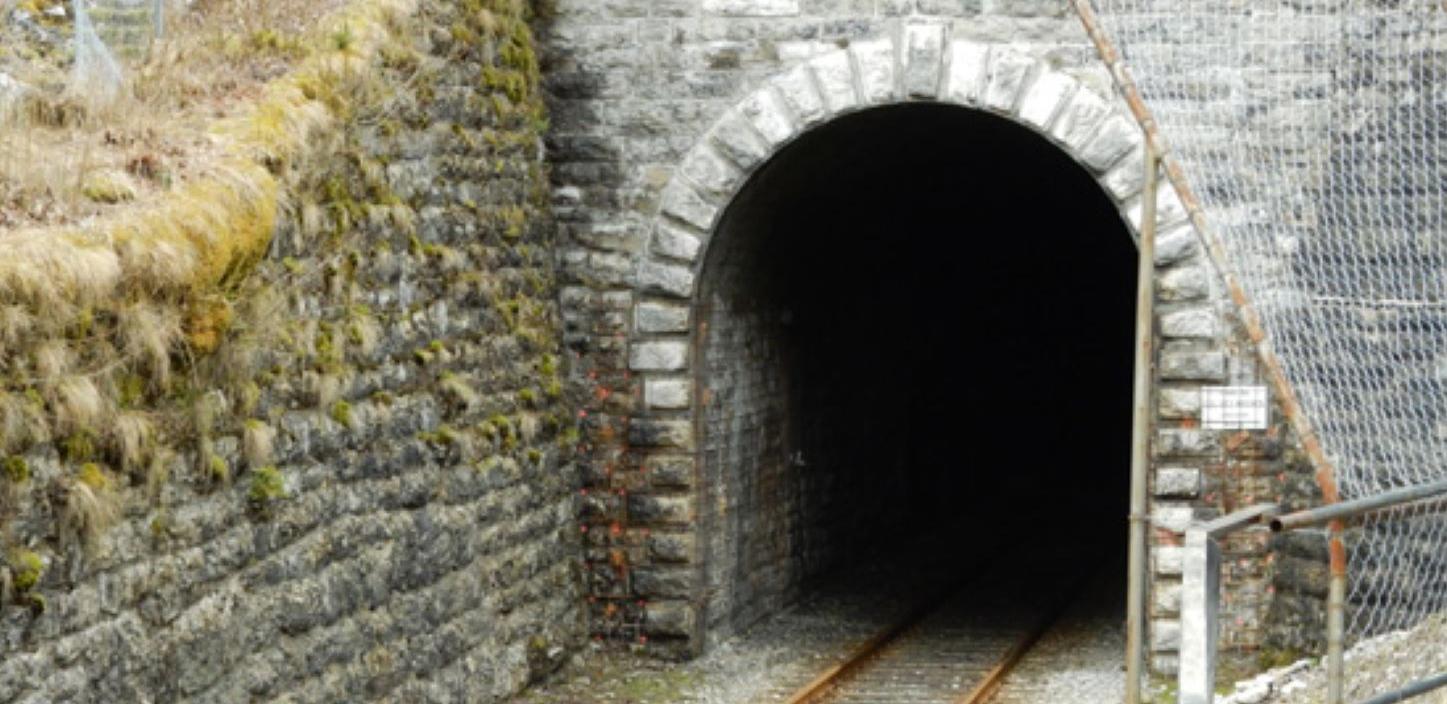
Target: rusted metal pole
{"points": [[1336, 597], [1135, 615]]}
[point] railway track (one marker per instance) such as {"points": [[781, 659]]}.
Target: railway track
{"points": [[958, 647]]}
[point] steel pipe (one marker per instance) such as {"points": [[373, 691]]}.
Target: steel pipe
{"points": [[1135, 614], [1411, 690], [1357, 507]]}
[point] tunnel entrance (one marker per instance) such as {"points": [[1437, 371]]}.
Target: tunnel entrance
{"points": [[913, 321]]}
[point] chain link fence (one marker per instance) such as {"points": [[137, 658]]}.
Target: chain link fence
{"points": [[1312, 132]]}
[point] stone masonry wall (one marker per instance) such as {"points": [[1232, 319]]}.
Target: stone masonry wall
{"points": [[661, 110], [373, 498]]}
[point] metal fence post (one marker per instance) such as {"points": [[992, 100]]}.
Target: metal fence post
{"points": [[1135, 615]]}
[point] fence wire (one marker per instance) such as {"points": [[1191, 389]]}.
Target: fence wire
{"points": [[1312, 131]]}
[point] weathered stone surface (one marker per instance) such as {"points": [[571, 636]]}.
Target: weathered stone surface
{"points": [[835, 73], [671, 394], [682, 202], [675, 242], [924, 46], [967, 72], [1191, 323], [1044, 97], [649, 432], [1185, 442], [671, 279], [1007, 76], [1193, 366], [1183, 283], [1176, 245], [752, 8], [670, 618], [1115, 137], [736, 140], [1180, 403], [1178, 482], [708, 170], [659, 356], [797, 89], [1173, 518], [661, 317], [877, 78]]}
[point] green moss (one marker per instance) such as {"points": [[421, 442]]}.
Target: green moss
{"points": [[94, 477], [343, 40], [131, 390], [535, 456], [218, 469], [342, 413], [78, 447], [554, 389], [17, 469], [528, 396], [26, 568], [267, 485]]}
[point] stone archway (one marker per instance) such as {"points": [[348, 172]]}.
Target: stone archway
{"points": [[920, 66]]}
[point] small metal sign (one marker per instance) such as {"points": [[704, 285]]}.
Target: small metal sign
{"points": [[1234, 408]]}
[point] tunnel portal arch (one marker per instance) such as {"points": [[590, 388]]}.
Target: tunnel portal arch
{"points": [[919, 66]]}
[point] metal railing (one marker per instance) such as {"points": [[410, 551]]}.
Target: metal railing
{"points": [[1200, 595]]}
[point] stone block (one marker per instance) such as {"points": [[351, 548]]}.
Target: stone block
{"points": [[1183, 283], [835, 73], [1185, 442], [670, 618], [1179, 403], [751, 8], [1116, 137], [1044, 97], [675, 242], [798, 91], [670, 546], [1126, 179], [1007, 76], [736, 140], [1166, 560], [713, 174], [658, 356], [664, 582], [670, 279], [682, 202], [1175, 519], [1177, 244], [1080, 119], [1178, 482], [668, 394], [1166, 599], [1165, 635], [647, 508], [650, 432], [967, 72], [764, 110], [1199, 322], [1192, 366], [875, 59], [651, 317], [924, 47]]}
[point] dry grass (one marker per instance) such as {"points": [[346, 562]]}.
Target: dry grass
{"points": [[216, 60], [257, 444], [90, 506]]}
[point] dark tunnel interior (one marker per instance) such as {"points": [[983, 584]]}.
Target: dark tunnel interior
{"points": [[914, 320]]}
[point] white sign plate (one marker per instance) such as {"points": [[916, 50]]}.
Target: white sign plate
{"points": [[1234, 408]]}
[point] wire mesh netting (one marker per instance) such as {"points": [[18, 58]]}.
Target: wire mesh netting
{"points": [[1312, 131]]}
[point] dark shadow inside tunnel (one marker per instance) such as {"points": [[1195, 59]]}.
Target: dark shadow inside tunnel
{"points": [[913, 321]]}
